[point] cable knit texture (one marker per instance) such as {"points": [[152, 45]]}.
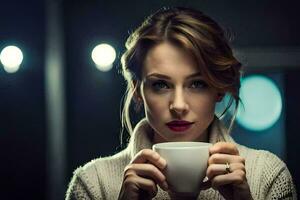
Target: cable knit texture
{"points": [[268, 176]]}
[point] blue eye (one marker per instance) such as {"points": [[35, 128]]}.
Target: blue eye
{"points": [[163, 85], [159, 85], [199, 84]]}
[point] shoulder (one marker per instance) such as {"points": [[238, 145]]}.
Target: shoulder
{"points": [[260, 155], [276, 178], [89, 177], [262, 158], [93, 167], [267, 173]]}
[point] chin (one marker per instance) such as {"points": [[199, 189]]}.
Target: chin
{"points": [[181, 138]]}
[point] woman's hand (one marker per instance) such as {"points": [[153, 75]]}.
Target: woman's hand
{"points": [[142, 175], [226, 171]]}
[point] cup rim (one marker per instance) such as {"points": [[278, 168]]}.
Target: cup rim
{"points": [[180, 145]]}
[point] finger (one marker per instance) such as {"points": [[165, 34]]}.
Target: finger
{"points": [[148, 155], [224, 147], [235, 178], [147, 171], [142, 184], [148, 185], [218, 158], [220, 169], [236, 166], [215, 170]]}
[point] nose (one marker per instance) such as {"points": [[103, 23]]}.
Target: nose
{"points": [[178, 104]]}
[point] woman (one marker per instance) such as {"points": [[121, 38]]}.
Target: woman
{"points": [[178, 65]]}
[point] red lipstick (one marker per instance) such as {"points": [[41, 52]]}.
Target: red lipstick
{"points": [[179, 125]]}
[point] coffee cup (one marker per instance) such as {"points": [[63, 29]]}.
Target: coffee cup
{"points": [[186, 164]]}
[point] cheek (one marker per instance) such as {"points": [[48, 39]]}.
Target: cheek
{"points": [[204, 105], [155, 104]]}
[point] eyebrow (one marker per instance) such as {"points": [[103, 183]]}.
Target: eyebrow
{"points": [[169, 78]]}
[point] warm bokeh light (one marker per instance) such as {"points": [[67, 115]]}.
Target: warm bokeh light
{"points": [[103, 56], [11, 58], [262, 103]]}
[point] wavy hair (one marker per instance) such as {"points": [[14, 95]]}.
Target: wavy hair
{"points": [[192, 31]]}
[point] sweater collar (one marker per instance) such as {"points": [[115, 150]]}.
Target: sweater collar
{"points": [[141, 137]]}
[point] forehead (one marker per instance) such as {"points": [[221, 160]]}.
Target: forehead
{"points": [[170, 60]]}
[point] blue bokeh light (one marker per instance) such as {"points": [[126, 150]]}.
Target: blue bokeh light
{"points": [[262, 103]]}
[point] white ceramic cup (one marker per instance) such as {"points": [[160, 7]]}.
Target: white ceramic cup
{"points": [[186, 164]]}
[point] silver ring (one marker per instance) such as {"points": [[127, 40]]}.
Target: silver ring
{"points": [[227, 168]]}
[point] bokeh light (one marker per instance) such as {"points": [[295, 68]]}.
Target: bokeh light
{"points": [[262, 103], [103, 56], [11, 58]]}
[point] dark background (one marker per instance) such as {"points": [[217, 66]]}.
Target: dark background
{"points": [[93, 97]]}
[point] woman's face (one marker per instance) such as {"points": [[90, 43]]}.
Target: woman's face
{"points": [[172, 89]]}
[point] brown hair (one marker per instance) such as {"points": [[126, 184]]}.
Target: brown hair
{"points": [[192, 31]]}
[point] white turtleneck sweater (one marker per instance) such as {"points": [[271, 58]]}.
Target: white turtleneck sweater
{"points": [[267, 176]]}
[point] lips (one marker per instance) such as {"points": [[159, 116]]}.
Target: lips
{"points": [[179, 126], [179, 123]]}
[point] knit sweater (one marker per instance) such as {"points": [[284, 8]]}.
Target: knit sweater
{"points": [[267, 176]]}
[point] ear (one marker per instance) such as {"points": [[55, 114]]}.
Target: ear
{"points": [[220, 96]]}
